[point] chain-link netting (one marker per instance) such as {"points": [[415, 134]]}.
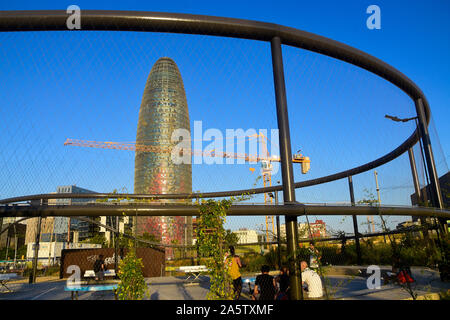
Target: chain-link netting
{"points": [[90, 85], [335, 263]]}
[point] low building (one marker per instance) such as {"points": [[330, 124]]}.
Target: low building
{"points": [[84, 229], [444, 183], [62, 228], [49, 253], [318, 229], [246, 236]]}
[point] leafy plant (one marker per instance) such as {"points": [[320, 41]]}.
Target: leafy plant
{"points": [[210, 242], [444, 295], [132, 284], [231, 239], [97, 239]]}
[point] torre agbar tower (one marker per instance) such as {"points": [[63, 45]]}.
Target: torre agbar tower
{"points": [[163, 109]]}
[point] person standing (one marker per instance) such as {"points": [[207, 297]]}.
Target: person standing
{"points": [[283, 282], [314, 256], [312, 281], [265, 285], [235, 265], [99, 268]]}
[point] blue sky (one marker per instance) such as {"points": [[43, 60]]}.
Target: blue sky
{"points": [[89, 85]]}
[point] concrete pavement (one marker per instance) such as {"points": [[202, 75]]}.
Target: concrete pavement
{"points": [[340, 286]]}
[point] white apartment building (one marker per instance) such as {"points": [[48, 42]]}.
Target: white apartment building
{"points": [[246, 236], [50, 252]]}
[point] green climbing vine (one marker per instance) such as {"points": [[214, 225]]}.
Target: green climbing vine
{"points": [[132, 284], [210, 242]]}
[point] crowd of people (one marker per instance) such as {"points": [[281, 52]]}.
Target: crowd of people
{"points": [[268, 287]]}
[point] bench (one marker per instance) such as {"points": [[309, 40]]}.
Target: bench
{"points": [[74, 288], [193, 272], [106, 273], [93, 285], [5, 278]]}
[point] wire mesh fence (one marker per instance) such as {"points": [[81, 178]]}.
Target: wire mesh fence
{"points": [[338, 262], [90, 86]]}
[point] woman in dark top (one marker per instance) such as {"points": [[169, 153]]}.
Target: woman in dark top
{"points": [[265, 285], [99, 268], [283, 280]]}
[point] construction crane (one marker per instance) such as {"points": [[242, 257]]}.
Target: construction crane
{"points": [[266, 173], [264, 158], [132, 146]]}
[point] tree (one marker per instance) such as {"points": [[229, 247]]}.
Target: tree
{"points": [[231, 239], [148, 237], [132, 284], [96, 239]]}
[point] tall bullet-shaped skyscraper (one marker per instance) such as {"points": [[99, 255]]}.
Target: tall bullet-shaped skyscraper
{"points": [[163, 110]]}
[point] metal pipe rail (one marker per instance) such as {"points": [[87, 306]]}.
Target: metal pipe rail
{"points": [[53, 20], [193, 210], [157, 244]]}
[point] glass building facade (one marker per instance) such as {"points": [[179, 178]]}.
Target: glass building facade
{"points": [[57, 228], [163, 110], [61, 224]]}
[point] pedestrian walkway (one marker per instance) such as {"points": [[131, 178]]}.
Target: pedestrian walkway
{"points": [[344, 287], [339, 286]]}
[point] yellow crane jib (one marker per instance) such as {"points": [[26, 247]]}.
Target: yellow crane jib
{"points": [[305, 161]]}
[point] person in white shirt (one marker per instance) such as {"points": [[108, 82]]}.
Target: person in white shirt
{"points": [[312, 280]]}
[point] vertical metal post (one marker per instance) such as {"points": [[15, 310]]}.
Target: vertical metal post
{"points": [[286, 168], [436, 196], [36, 250], [8, 243], [185, 236], [355, 222], [278, 233], [68, 231], [15, 246], [51, 248], [379, 202], [412, 162], [424, 195], [1, 229], [116, 247], [378, 187]]}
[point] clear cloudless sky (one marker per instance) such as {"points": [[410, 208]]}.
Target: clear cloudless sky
{"points": [[336, 110]]}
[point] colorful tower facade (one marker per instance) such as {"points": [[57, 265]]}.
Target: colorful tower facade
{"points": [[163, 110]]}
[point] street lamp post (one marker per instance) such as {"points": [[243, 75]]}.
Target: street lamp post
{"points": [[436, 196], [379, 202]]}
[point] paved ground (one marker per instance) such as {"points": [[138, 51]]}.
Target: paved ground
{"points": [[344, 287], [427, 285]]}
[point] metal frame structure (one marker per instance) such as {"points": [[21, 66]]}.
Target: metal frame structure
{"points": [[292, 210], [56, 20], [277, 35]]}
